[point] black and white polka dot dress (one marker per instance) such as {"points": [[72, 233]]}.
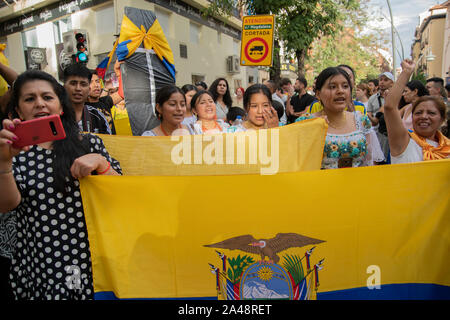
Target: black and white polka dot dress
{"points": [[52, 257]]}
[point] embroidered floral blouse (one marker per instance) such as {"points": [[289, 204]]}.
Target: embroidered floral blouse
{"points": [[357, 146]]}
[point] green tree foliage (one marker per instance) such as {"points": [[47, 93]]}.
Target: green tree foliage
{"points": [[298, 22], [307, 21], [351, 45], [345, 48], [420, 75]]}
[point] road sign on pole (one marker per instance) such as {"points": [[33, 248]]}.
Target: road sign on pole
{"points": [[257, 40]]}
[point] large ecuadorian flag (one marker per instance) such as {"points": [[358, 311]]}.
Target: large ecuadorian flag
{"points": [[380, 232]]}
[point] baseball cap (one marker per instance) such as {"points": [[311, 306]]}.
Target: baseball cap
{"points": [[388, 75]]}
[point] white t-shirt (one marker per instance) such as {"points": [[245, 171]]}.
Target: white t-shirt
{"points": [[189, 121], [221, 111], [412, 153]]}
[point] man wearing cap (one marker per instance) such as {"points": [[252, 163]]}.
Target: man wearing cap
{"points": [[375, 111], [376, 101]]}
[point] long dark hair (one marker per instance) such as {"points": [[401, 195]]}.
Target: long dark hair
{"points": [[227, 96], [66, 150], [421, 89], [332, 72], [189, 87]]}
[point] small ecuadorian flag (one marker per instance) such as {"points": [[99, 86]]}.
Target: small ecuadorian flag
{"points": [[103, 66]]}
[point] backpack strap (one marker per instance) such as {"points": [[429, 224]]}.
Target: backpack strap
{"points": [[86, 120], [379, 101]]}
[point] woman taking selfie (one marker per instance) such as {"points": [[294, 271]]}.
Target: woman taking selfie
{"points": [[426, 142], [170, 110], [40, 189], [350, 139], [204, 108]]}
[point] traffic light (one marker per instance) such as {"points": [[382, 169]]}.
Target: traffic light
{"points": [[81, 45], [76, 45]]}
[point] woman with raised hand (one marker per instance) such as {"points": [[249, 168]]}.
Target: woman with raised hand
{"points": [[259, 109], [426, 142], [170, 109], [41, 191], [204, 108], [413, 91], [350, 139], [222, 97]]}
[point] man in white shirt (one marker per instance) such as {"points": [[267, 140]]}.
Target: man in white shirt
{"points": [[376, 101]]}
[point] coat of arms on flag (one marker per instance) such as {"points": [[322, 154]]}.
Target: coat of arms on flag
{"points": [[287, 278]]}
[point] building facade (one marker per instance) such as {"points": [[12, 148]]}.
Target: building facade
{"points": [[428, 47], [203, 48], [446, 51]]}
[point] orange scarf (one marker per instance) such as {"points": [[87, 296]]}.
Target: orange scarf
{"points": [[442, 151]]}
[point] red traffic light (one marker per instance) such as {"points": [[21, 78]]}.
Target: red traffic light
{"points": [[80, 37]]}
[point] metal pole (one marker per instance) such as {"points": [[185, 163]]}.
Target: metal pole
{"points": [[394, 60], [398, 37], [401, 44]]}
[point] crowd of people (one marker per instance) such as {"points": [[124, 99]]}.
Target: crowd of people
{"points": [[42, 226]]}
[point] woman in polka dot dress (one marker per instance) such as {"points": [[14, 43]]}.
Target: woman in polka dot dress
{"points": [[41, 191]]}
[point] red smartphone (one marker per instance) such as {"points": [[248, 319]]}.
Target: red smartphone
{"points": [[39, 130]]}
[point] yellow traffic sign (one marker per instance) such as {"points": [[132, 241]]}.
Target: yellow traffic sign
{"points": [[257, 40]]}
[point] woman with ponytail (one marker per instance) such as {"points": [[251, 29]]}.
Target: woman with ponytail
{"points": [[41, 192]]}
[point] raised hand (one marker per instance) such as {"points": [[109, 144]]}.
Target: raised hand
{"points": [[408, 65], [271, 117]]}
